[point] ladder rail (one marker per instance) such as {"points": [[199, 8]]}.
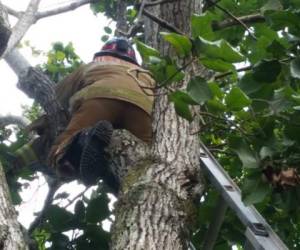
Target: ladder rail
{"points": [[258, 231]]}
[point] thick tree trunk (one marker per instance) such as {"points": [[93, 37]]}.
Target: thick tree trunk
{"points": [[156, 207], [11, 236]]}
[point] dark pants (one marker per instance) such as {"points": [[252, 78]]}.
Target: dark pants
{"points": [[121, 114]]}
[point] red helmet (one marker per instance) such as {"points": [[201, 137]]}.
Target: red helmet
{"points": [[118, 47]]}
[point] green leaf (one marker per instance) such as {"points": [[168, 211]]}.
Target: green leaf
{"points": [[199, 90], [219, 50], [216, 90], [146, 51], [217, 65], [108, 30], [272, 5], [276, 49], [237, 99], [104, 38], [244, 152], [267, 71], [97, 209], [282, 100], [202, 25], [181, 101], [60, 55], [79, 210], [256, 191], [259, 52], [249, 85], [182, 44], [59, 218], [295, 68], [296, 98], [281, 19], [292, 128], [174, 74], [215, 106]]}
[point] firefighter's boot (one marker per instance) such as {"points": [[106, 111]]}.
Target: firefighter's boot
{"points": [[94, 158]]}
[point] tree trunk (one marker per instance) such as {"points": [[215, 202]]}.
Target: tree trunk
{"points": [[156, 207], [11, 236]]}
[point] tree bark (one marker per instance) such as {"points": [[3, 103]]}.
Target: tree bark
{"points": [[156, 207], [11, 235], [4, 29]]}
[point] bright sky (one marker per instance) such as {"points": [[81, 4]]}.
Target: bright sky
{"points": [[80, 27]]}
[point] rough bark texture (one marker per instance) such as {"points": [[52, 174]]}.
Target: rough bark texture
{"points": [[156, 207], [11, 236], [4, 29], [122, 26]]}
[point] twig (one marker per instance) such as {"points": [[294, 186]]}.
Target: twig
{"points": [[76, 197], [218, 76], [38, 220], [135, 28], [178, 71], [220, 151], [162, 23], [246, 68], [231, 123], [234, 18]]}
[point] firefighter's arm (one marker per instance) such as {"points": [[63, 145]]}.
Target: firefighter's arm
{"points": [[66, 88]]}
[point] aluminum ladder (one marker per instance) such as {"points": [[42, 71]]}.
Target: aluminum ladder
{"points": [[259, 233]]}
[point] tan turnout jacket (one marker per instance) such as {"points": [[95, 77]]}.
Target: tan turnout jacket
{"points": [[109, 79]]}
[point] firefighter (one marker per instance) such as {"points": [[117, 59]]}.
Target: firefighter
{"points": [[111, 92]]}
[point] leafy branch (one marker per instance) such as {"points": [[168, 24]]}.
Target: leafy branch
{"points": [[249, 19], [234, 18]]}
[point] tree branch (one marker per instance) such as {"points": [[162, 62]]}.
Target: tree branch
{"points": [[13, 12], [254, 18], [24, 23], [234, 18], [63, 9], [12, 119], [38, 86], [138, 24], [122, 26], [4, 29], [76, 197]]}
